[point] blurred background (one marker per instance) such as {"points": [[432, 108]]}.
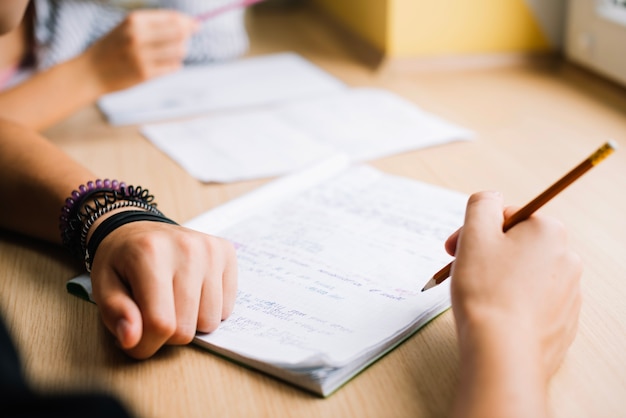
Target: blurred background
{"points": [[589, 32]]}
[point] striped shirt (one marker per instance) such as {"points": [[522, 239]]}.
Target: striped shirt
{"points": [[65, 28]]}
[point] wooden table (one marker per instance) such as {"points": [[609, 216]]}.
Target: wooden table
{"points": [[533, 123]]}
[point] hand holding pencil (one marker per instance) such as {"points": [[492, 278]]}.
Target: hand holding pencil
{"points": [[516, 298], [599, 155]]}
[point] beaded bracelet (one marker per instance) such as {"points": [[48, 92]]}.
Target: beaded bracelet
{"points": [[91, 201], [112, 223]]}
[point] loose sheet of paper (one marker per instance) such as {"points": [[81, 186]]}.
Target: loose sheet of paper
{"points": [[362, 123], [196, 90], [328, 273], [236, 147]]}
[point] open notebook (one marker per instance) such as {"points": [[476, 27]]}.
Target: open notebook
{"points": [[332, 261]]}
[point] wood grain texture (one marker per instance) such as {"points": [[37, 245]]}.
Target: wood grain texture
{"points": [[533, 123]]}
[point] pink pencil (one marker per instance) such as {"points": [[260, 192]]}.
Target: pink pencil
{"points": [[208, 15]]}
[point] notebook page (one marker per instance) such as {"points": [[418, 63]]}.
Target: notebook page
{"points": [[234, 147], [329, 273], [369, 123]]}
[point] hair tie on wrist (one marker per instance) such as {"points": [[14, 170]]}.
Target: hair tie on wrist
{"points": [[112, 223], [86, 204], [113, 206]]}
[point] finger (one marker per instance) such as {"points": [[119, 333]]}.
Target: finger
{"points": [[160, 70], [484, 214], [161, 25], [510, 211], [161, 59], [212, 301], [119, 313], [165, 53], [173, 21], [229, 281], [187, 293], [151, 283], [451, 242]]}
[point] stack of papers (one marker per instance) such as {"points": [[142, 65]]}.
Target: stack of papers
{"points": [[269, 116], [364, 124]]}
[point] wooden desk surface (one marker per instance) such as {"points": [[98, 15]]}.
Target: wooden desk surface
{"points": [[532, 124]]}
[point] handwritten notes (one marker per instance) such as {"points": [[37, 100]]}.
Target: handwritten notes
{"points": [[362, 123], [196, 90], [331, 265], [270, 115], [332, 272]]}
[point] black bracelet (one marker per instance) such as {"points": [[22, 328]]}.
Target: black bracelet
{"points": [[91, 201], [112, 223], [104, 210]]}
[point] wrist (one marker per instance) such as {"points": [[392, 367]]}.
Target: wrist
{"points": [[104, 199], [115, 221], [478, 322], [91, 83], [501, 371]]}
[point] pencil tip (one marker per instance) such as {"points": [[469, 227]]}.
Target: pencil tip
{"points": [[431, 283]]}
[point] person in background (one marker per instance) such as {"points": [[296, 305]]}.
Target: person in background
{"points": [[92, 48], [515, 295]]}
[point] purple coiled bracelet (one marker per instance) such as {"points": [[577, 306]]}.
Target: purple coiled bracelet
{"points": [[95, 199]]}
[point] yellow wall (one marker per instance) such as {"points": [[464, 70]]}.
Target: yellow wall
{"points": [[425, 27], [460, 26], [366, 18]]}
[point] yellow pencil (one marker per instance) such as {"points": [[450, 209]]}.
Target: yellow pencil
{"points": [[522, 214]]}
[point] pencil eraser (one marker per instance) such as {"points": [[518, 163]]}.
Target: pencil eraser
{"points": [[612, 144]]}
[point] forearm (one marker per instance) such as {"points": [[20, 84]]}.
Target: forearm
{"points": [[501, 375], [35, 177], [52, 95]]}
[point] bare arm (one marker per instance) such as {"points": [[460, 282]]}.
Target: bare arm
{"points": [[35, 179], [154, 283], [516, 300], [145, 45]]}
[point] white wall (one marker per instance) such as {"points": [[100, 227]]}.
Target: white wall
{"points": [[595, 41]]}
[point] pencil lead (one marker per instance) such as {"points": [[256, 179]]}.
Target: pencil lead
{"points": [[431, 283]]}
